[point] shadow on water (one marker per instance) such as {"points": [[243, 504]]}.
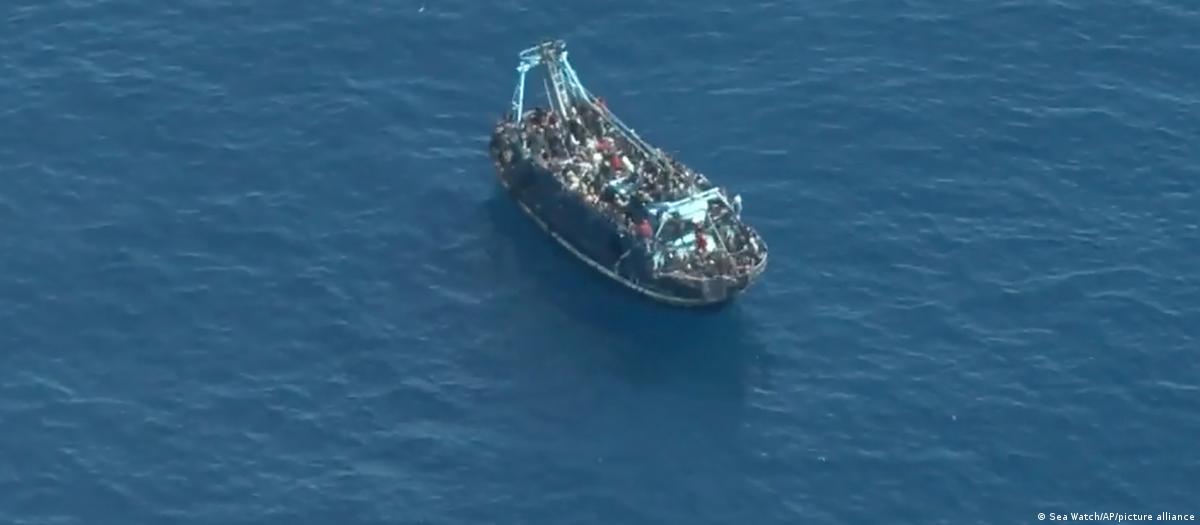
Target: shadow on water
{"points": [[655, 343], [657, 386]]}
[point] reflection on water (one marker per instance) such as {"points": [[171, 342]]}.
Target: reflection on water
{"points": [[591, 384], [710, 346]]}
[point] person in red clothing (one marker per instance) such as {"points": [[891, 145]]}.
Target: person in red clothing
{"points": [[701, 242], [616, 163], [644, 229]]}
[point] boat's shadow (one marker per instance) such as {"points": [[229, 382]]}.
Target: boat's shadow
{"points": [[716, 345]]}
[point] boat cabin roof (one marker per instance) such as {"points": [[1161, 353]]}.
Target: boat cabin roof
{"points": [[693, 208]]}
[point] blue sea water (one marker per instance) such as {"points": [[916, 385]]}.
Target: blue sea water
{"points": [[255, 267]]}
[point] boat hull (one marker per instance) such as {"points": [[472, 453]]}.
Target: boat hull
{"points": [[603, 245]]}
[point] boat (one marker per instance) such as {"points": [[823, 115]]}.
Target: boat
{"points": [[617, 203]]}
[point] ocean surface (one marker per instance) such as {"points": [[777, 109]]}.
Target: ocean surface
{"points": [[255, 267]]}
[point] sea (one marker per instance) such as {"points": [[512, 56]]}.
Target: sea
{"points": [[255, 266]]}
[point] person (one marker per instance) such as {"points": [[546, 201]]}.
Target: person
{"points": [[644, 229], [701, 242], [577, 130]]}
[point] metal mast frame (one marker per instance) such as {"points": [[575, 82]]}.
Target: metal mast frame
{"points": [[565, 88]]}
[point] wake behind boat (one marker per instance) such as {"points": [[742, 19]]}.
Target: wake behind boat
{"points": [[620, 205]]}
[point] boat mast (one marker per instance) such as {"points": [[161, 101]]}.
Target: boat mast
{"points": [[518, 100], [549, 54], [553, 56], [572, 80], [565, 88]]}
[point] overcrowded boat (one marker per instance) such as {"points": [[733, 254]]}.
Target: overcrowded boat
{"points": [[620, 205]]}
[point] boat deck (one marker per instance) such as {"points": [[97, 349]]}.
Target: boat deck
{"points": [[669, 223]]}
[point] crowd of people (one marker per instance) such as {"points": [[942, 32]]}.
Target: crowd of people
{"points": [[736, 247], [587, 151], [609, 171]]}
